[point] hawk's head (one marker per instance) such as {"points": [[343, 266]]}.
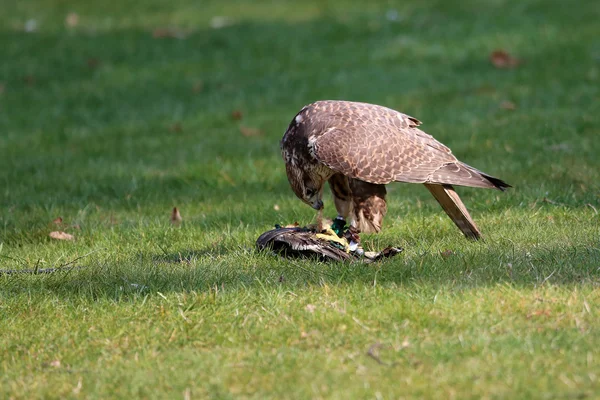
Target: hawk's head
{"points": [[307, 183], [305, 173]]}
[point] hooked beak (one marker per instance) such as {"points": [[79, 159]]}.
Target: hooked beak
{"points": [[317, 204]]}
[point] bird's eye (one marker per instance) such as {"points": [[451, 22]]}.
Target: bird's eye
{"points": [[310, 192]]}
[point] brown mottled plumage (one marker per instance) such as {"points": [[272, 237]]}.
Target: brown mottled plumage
{"points": [[359, 148]]}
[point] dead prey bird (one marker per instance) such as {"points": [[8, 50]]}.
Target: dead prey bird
{"points": [[359, 148], [329, 244]]}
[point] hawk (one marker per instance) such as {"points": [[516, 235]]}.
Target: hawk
{"points": [[359, 148]]}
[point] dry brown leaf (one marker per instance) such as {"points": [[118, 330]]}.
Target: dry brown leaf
{"points": [[236, 115], [72, 19], [59, 235], [176, 216], [447, 253], [294, 225], [508, 105], [538, 313], [501, 59], [29, 80], [249, 132], [485, 90], [57, 220], [198, 87], [55, 363], [173, 33], [176, 127], [93, 62]]}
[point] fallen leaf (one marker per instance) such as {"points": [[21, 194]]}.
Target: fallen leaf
{"points": [[172, 33], [55, 363], [501, 59], [545, 313], [57, 221], [198, 87], [249, 132], [59, 235], [176, 216], [310, 308], [176, 127], [72, 19], [236, 115], [294, 225], [485, 90], [29, 80], [447, 253], [508, 105], [93, 62]]}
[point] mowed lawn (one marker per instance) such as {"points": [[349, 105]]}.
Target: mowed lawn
{"points": [[111, 115]]}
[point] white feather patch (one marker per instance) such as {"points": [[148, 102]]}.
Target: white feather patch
{"points": [[311, 145]]}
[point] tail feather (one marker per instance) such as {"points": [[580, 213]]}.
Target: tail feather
{"points": [[461, 174], [456, 210]]}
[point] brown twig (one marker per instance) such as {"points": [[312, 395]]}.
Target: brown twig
{"points": [[374, 354], [39, 271], [554, 203]]}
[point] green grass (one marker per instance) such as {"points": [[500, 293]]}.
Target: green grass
{"points": [[108, 127]]}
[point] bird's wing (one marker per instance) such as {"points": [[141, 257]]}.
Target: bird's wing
{"points": [[380, 145], [378, 155]]}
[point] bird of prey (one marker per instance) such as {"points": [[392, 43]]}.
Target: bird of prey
{"points": [[359, 148]]}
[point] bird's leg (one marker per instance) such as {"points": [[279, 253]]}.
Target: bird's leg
{"points": [[320, 220]]}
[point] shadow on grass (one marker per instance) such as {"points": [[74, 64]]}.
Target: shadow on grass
{"points": [[190, 256], [205, 269]]}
